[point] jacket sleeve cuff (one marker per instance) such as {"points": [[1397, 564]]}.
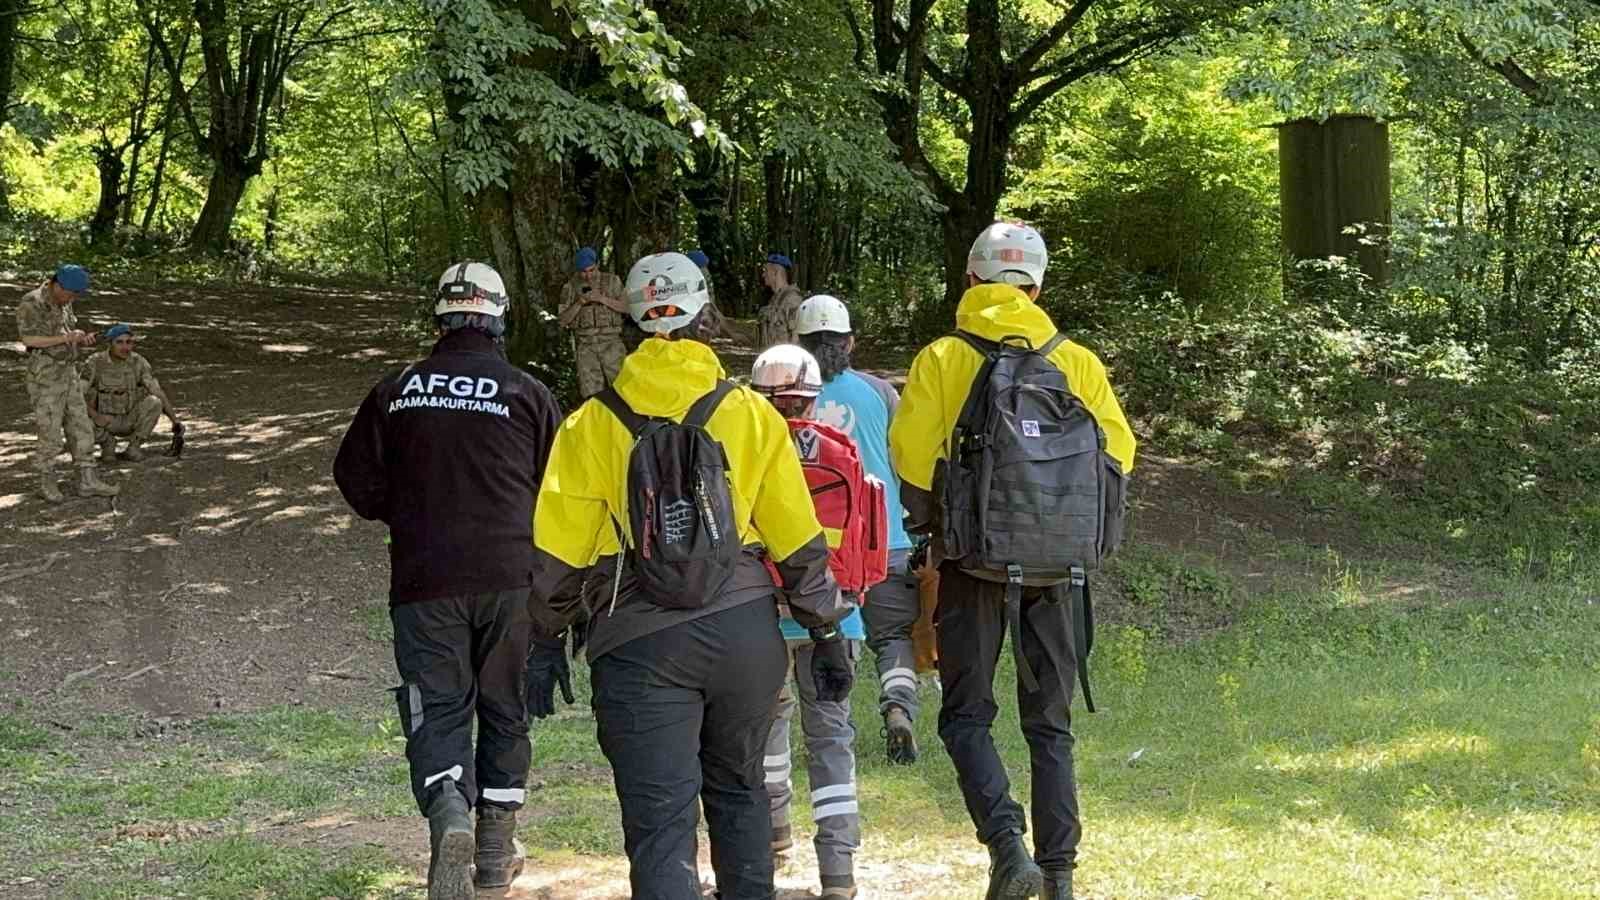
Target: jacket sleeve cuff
{"points": [[814, 599], [556, 598]]}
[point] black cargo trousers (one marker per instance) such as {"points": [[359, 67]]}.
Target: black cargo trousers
{"points": [[683, 713], [971, 626], [460, 659]]}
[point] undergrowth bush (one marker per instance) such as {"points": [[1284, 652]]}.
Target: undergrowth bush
{"points": [[1435, 444]]}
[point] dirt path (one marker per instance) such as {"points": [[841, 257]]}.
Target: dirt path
{"points": [[226, 579]]}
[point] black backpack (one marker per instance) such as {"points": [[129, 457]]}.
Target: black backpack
{"points": [[1030, 495], [685, 543]]}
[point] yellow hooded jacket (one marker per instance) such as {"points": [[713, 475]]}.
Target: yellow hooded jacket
{"points": [[942, 375], [584, 493]]}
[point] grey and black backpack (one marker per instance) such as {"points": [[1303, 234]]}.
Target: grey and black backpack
{"points": [[1031, 498], [684, 542]]}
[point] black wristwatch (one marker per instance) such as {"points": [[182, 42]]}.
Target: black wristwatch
{"points": [[824, 633]]}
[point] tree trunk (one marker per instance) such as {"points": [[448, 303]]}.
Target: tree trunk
{"points": [[137, 134], [158, 177], [108, 161], [228, 181], [1333, 176], [707, 193], [523, 225]]}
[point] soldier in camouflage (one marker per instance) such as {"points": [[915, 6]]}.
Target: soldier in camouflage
{"points": [[123, 397], [777, 317], [49, 331], [592, 305]]}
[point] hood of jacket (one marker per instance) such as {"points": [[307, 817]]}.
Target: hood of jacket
{"points": [[664, 378], [999, 311]]}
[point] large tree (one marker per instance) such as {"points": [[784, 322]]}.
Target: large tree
{"points": [[567, 122], [997, 64], [247, 48]]}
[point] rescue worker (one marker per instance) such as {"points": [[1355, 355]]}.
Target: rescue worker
{"points": [[790, 377], [449, 453], [1006, 267], [593, 307], [124, 397], [683, 696], [863, 406], [777, 317], [49, 332]]}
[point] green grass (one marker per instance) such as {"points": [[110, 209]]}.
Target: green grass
{"points": [[1369, 734]]}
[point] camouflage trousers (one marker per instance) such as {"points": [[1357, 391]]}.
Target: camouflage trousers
{"points": [[59, 414], [136, 426], [599, 360]]}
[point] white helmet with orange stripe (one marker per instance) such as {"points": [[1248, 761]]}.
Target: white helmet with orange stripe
{"points": [[1010, 253]]}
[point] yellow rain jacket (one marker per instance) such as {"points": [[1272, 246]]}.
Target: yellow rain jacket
{"points": [[584, 495], [943, 372]]}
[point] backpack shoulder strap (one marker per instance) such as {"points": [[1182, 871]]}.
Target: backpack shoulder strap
{"points": [[971, 413], [620, 408], [1051, 345], [982, 345], [700, 413]]}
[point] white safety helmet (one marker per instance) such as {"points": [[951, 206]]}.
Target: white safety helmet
{"points": [[786, 371], [471, 287], [822, 313], [665, 292], [1012, 254]]}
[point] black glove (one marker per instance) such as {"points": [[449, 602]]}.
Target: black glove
{"points": [[919, 554], [176, 450], [547, 667], [831, 669]]}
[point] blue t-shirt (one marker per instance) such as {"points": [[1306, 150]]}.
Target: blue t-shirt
{"points": [[861, 405]]}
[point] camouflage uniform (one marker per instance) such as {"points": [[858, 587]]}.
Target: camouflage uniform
{"points": [[54, 391], [599, 333], [127, 391], [777, 317]]}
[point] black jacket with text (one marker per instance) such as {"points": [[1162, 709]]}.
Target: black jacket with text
{"points": [[449, 453]]}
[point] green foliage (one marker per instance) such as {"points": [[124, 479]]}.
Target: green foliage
{"points": [[1147, 185]]}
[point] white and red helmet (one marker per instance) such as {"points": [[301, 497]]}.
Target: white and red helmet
{"points": [[1009, 253], [786, 371], [665, 292]]}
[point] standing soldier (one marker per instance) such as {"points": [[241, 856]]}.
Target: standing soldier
{"points": [[777, 317], [48, 329], [699, 258], [593, 307], [863, 407], [449, 453], [691, 475], [124, 398], [1005, 268]]}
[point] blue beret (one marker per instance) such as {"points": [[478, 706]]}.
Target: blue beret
{"points": [[781, 260], [72, 277], [699, 258], [118, 330], [586, 258]]}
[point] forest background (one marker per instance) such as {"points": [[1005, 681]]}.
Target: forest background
{"points": [[373, 142]]}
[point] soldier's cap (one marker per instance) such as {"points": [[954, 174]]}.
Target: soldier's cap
{"points": [[699, 258], [778, 259], [586, 258], [72, 277], [118, 330]]}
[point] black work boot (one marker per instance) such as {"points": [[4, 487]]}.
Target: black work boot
{"points": [[1012, 874], [899, 737], [782, 839], [450, 833], [838, 887], [500, 855], [1057, 885]]}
